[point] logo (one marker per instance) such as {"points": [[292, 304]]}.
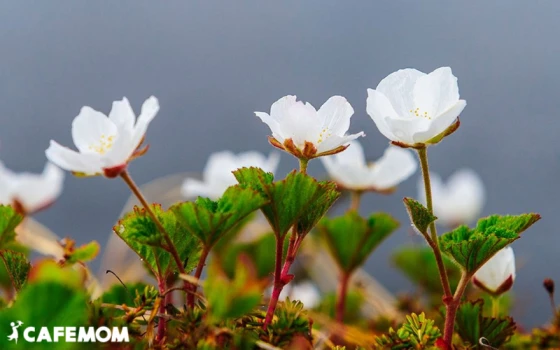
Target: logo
{"points": [[15, 334], [69, 334]]}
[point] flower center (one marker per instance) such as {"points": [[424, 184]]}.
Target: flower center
{"points": [[104, 145], [418, 113], [325, 133]]}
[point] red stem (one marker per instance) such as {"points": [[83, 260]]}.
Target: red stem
{"points": [[277, 287], [197, 273], [162, 322], [451, 310], [341, 302]]}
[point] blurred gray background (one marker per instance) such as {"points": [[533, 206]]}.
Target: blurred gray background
{"points": [[213, 63]]}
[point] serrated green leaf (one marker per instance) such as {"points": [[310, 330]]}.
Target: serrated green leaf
{"points": [[17, 266], [136, 228], [471, 248], [419, 215], [84, 253], [9, 220], [471, 325], [211, 220], [297, 199], [419, 265], [351, 239]]}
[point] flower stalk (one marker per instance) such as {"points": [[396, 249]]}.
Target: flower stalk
{"points": [[170, 246], [451, 309], [342, 292], [197, 274], [282, 272], [448, 298]]}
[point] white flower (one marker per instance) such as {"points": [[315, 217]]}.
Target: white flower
{"points": [[218, 173], [30, 192], [105, 144], [410, 107], [306, 292], [460, 201], [307, 133], [350, 170], [496, 276]]}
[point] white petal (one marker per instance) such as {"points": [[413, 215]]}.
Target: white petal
{"points": [[150, 108], [280, 108], [335, 141], [122, 115], [440, 123], [353, 155], [404, 130], [398, 87], [497, 270], [335, 115], [394, 167], [379, 108], [89, 127], [272, 124], [459, 201], [67, 159], [34, 191], [448, 88], [301, 123], [193, 188], [7, 182]]}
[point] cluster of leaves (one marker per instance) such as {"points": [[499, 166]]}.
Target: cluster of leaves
{"points": [[417, 332], [229, 312]]}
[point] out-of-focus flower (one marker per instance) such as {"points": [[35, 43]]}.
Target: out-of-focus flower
{"points": [[305, 291], [218, 173], [410, 107], [28, 192], [350, 170], [105, 144], [458, 202], [497, 275], [307, 133]]}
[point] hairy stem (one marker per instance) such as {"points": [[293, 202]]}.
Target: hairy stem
{"points": [[161, 322], [423, 156], [448, 298], [451, 309], [303, 165], [170, 246], [197, 274], [342, 292], [277, 286], [495, 306], [356, 197]]}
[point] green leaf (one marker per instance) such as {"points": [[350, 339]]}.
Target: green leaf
{"points": [[298, 198], [139, 232], [471, 248], [232, 298], [17, 266], [259, 251], [50, 298], [83, 253], [417, 332], [352, 310], [419, 215], [9, 220], [471, 325], [419, 266], [351, 239], [210, 221]]}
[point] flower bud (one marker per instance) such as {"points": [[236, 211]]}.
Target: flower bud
{"points": [[496, 276], [549, 285]]}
